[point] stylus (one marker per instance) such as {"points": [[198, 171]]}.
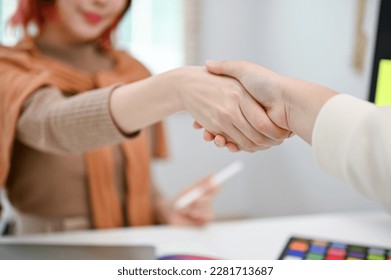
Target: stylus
{"points": [[217, 179]]}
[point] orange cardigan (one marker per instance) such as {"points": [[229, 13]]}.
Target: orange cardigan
{"points": [[23, 70]]}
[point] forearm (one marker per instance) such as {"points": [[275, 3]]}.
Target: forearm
{"points": [[303, 101], [138, 105], [351, 141], [54, 123]]}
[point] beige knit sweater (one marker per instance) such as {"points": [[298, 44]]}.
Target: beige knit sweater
{"points": [[61, 154]]}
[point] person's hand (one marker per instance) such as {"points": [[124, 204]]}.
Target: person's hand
{"points": [[197, 213], [290, 103], [222, 106], [219, 103], [220, 140], [264, 85]]}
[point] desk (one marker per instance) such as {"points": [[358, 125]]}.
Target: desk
{"points": [[245, 239]]}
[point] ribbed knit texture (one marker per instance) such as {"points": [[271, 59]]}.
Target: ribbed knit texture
{"points": [[60, 162], [67, 125]]}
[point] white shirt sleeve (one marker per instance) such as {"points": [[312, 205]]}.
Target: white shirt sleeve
{"points": [[352, 140]]}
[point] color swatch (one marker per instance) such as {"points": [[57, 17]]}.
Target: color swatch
{"points": [[311, 249]]}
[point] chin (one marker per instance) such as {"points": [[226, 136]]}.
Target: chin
{"points": [[88, 36], [79, 27]]}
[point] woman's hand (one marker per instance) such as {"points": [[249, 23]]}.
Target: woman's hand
{"points": [[220, 140], [217, 102], [291, 104], [264, 86], [197, 213], [223, 107]]}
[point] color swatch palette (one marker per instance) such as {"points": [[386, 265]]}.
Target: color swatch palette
{"points": [[312, 249]]}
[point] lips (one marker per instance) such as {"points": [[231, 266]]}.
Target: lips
{"points": [[92, 18]]}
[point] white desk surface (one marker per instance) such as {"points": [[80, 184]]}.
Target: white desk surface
{"points": [[245, 239]]}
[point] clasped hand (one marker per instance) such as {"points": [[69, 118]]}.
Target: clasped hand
{"points": [[258, 120]]}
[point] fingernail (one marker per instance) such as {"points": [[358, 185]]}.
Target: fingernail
{"points": [[232, 150], [219, 144]]}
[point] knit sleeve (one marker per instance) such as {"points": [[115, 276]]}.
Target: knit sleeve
{"points": [[54, 123]]}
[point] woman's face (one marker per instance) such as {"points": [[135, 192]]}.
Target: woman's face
{"points": [[86, 20]]}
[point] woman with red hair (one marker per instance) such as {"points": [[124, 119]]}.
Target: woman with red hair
{"points": [[80, 122]]}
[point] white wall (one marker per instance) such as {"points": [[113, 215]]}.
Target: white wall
{"points": [[311, 40]]}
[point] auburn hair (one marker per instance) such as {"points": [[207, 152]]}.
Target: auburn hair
{"points": [[39, 11]]}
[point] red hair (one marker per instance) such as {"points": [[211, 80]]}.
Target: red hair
{"points": [[39, 11]]}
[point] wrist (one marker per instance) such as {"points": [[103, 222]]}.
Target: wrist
{"points": [[174, 82], [137, 105], [303, 101]]}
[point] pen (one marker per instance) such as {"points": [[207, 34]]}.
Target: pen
{"points": [[216, 179]]}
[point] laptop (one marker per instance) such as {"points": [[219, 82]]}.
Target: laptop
{"points": [[26, 251]]}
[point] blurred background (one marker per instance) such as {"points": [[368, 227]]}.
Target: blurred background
{"points": [[311, 40]]}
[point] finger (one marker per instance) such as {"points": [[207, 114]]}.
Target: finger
{"points": [[220, 141], [208, 136], [210, 189], [247, 138], [197, 125], [201, 216], [186, 220], [201, 205], [199, 221], [258, 140], [237, 127], [202, 209], [204, 184], [241, 133], [228, 68], [232, 147], [221, 138], [267, 133]]}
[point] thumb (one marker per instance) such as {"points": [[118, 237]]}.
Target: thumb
{"points": [[228, 68]]}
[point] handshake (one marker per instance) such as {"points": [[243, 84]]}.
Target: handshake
{"points": [[253, 108], [241, 105]]}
